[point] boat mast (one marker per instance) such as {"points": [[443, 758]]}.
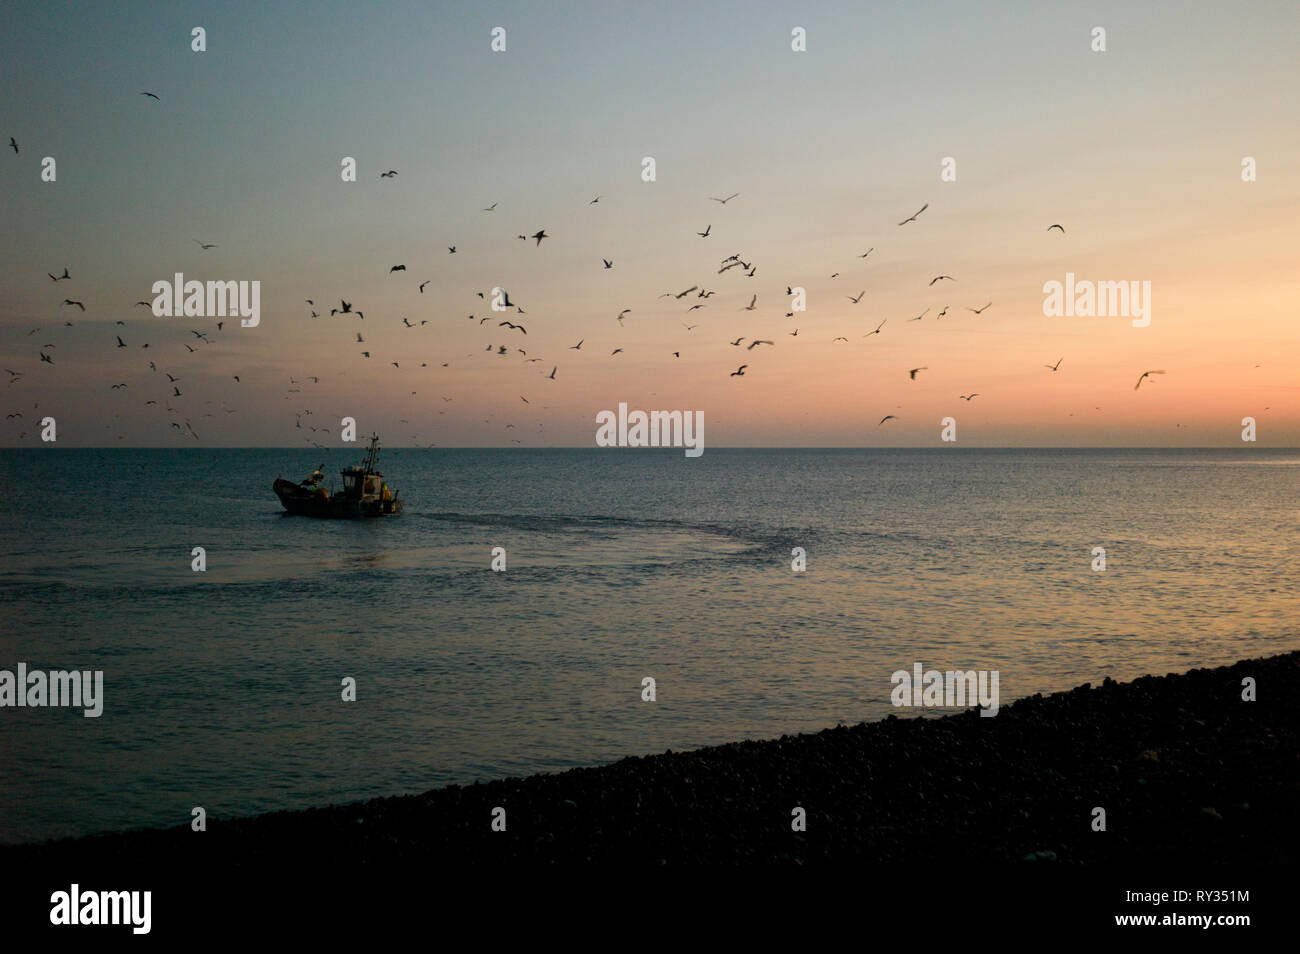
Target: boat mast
{"points": [[371, 454]]}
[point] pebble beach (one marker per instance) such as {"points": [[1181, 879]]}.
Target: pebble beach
{"points": [[1183, 767]]}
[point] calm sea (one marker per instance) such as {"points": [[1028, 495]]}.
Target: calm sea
{"points": [[222, 688]]}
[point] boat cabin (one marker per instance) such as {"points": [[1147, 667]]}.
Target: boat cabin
{"points": [[359, 483]]}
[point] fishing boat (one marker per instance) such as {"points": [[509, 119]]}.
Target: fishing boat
{"points": [[364, 492]]}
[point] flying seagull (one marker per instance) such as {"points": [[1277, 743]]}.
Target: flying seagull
{"points": [[490, 208], [739, 372], [707, 229], [69, 301], [912, 373], [1055, 226], [13, 144], [912, 217], [388, 175], [968, 397], [59, 278], [887, 417], [147, 93], [1144, 375], [202, 245], [1054, 367], [978, 310], [539, 235], [397, 268], [941, 277], [727, 199], [858, 299]]}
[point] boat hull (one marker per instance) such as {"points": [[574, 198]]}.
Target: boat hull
{"points": [[302, 502]]}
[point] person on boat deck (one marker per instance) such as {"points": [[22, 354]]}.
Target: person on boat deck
{"points": [[384, 493]]}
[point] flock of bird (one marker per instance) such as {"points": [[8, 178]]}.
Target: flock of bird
{"points": [[503, 321]]}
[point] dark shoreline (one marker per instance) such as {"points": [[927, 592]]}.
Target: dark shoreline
{"points": [[1186, 770]]}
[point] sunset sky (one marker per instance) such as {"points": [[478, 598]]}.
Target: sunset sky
{"points": [[1136, 151]]}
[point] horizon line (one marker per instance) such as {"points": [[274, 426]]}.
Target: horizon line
{"points": [[765, 447]]}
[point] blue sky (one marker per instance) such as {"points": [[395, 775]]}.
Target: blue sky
{"points": [[1136, 149]]}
